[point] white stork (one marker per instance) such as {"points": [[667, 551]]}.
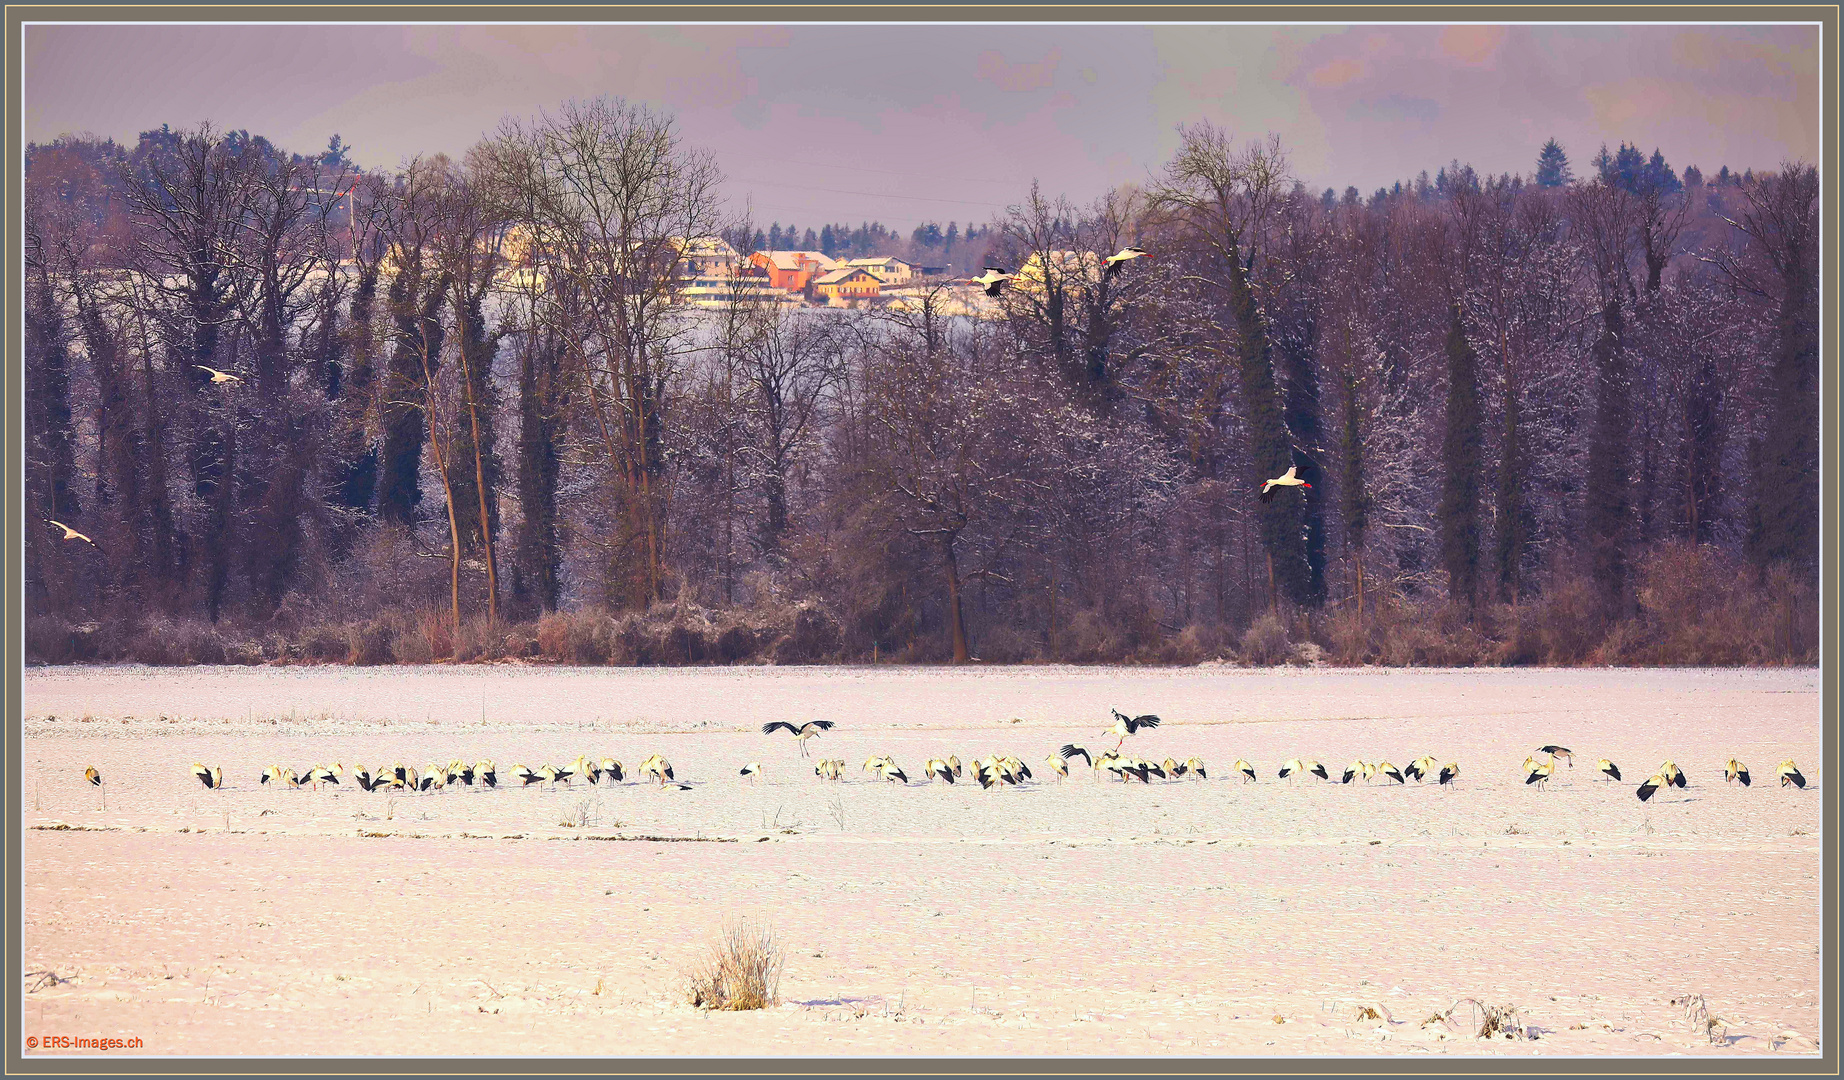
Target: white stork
{"points": [[1124, 255], [1290, 478], [1125, 725], [801, 734], [993, 279]]}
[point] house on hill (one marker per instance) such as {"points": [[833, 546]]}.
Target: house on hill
{"points": [[792, 270], [890, 271], [702, 256], [848, 283]]}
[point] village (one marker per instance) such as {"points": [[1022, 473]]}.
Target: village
{"points": [[712, 273]]}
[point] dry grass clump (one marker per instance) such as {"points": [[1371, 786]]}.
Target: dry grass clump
{"points": [[1702, 1021], [1483, 1020], [742, 971]]}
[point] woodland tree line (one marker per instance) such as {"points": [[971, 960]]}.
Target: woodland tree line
{"points": [[1563, 420]]}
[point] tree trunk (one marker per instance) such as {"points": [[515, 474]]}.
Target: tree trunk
{"points": [[957, 625]]}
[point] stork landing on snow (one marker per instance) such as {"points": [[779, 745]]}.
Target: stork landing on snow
{"points": [[801, 734]]}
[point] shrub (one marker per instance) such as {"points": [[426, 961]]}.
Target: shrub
{"points": [[51, 640], [1264, 643], [1348, 637], [1571, 622], [327, 644], [736, 642], [742, 971], [1083, 638], [815, 636], [479, 639], [574, 637], [369, 642]]}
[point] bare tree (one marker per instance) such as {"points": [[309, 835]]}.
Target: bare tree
{"points": [[610, 188]]}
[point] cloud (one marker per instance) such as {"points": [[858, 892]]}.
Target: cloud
{"points": [[1395, 107], [1016, 78], [1338, 72], [1472, 45]]}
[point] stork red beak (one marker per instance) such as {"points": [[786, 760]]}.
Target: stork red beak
{"points": [[1306, 485]]}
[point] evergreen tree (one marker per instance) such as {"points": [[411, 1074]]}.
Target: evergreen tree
{"points": [[534, 585], [1608, 501], [1354, 495], [1782, 225], [1658, 176], [1462, 454], [1282, 520], [1553, 166], [480, 347]]}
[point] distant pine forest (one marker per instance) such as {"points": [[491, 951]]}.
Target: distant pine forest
{"points": [[280, 409]]}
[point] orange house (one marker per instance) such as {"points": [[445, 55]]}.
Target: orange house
{"points": [[791, 270]]}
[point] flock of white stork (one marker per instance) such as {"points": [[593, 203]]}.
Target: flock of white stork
{"points": [[1538, 771], [991, 771]]}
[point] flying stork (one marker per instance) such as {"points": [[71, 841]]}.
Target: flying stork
{"points": [[802, 733], [1290, 478]]}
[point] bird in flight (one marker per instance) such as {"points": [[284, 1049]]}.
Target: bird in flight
{"points": [[992, 279], [1125, 725], [802, 733], [219, 376], [1290, 478], [1124, 255], [71, 534]]}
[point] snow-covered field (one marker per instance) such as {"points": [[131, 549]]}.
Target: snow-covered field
{"points": [[1192, 917]]}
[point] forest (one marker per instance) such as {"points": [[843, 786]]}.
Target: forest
{"points": [[302, 412]]}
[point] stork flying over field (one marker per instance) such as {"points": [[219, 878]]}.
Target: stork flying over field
{"points": [[802, 733], [1290, 478], [219, 376]]}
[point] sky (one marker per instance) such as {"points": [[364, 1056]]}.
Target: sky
{"points": [[904, 124]]}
